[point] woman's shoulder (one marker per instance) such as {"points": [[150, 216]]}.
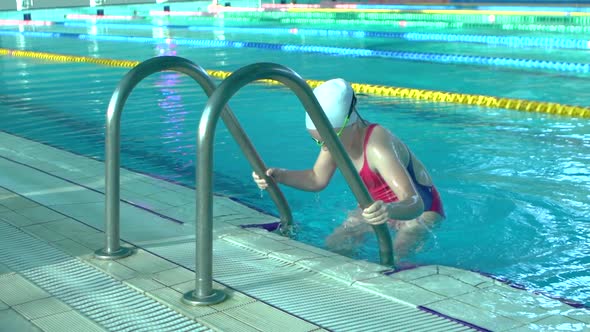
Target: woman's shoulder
{"points": [[381, 135], [381, 140]]}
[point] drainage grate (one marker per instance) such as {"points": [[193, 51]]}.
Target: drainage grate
{"points": [[309, 295], [338, 308], [99, 297]]}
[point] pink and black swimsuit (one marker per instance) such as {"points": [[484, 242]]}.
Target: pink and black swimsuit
{"points": [[380, 190]]}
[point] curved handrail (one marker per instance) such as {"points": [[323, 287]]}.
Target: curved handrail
{"points": [[112, 249], [227, 88]]}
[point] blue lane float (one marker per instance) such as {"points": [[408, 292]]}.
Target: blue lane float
{"points": [[336, 51], [510, 41]]}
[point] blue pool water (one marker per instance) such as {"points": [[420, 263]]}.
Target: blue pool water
{"points": [[515, 186]]}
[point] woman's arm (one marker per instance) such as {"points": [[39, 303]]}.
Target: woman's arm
{"points": [[383, 157], [314, 179]]}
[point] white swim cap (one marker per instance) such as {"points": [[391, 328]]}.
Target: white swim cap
{"points": [[335, 97]]}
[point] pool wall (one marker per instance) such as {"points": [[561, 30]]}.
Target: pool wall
{"points": [[49, 4], [112, 4]]}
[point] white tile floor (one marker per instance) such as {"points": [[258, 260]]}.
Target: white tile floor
{"points": [[37, 195]]}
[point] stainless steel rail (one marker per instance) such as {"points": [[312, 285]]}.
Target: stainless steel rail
{"points": [[204, 292], [112, 249]]}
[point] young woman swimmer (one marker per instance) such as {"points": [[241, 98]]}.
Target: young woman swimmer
{"points": [[398, 182]]}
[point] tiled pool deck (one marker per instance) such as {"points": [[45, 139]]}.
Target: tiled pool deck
{"points": [[52, 208]]}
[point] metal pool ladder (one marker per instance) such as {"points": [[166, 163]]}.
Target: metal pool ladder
{"points": [[204, 294]]}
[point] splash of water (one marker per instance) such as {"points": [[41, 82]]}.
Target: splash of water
{"points": [[317, 198]]}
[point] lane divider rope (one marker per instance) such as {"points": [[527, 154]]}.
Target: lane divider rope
{"points": [[369, 89], [574, 67], [510, 41]]}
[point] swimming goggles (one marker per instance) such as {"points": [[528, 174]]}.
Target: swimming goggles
{"points": [[352, 104]]}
